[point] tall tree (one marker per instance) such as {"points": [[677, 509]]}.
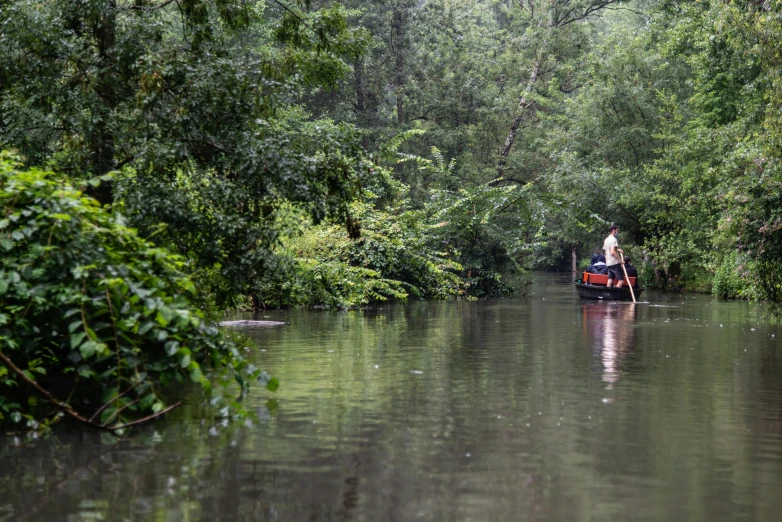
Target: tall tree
{"points": [[195, 100], [550, 25]]}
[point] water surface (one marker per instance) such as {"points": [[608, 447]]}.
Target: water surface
{"points": [[543, 408]]}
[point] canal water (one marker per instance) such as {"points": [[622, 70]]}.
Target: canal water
{"points": [[545, 408]]}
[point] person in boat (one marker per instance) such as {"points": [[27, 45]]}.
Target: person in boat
{"points": [[597, 265], [631, 272], [613, 257]]}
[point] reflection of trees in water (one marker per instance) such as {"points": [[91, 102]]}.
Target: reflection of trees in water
{"points": [[611, 329], [161, 476], [508, 382]]}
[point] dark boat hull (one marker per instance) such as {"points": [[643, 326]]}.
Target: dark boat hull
{"points": [[587, 291]]}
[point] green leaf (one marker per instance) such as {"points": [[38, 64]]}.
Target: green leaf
{"points": [[16, 416], [167, 314], [147, 401], [162, 321], [71, 312], [86, 371], [184, 361], [77, 338], [108, 373], [196, 375], [107, 414], [91, 348], [7, 243], [171, 347], [73, 326], [147, 326]]}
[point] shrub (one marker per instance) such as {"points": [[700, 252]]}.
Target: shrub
{"points": [[392, 258], [731, 281], [329, 284], [91, 314]]}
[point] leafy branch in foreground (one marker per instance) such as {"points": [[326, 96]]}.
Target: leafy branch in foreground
{"points": [[94, 321]]}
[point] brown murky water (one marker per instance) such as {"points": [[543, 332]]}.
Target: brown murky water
{"points": [[544, 408]]}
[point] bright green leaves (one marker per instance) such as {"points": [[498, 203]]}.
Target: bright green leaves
{"points": [[196, 375], [164, 316], [90, 348], [86, 297], [184, 357]]}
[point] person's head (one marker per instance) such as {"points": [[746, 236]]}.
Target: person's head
{"points": [[601, 259], [612, 229], [595, 259], [628, 260]]}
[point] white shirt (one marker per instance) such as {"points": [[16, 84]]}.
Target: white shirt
{"points": [[608, 246]]}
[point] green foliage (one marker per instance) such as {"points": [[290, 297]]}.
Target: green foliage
{"points": [[527, 127], [647, 277], [672, 138], [732, 279], [393, 258], [329, 284], [459, 244], [194, 101], [93, 314], [398, 243], [489, 229]]}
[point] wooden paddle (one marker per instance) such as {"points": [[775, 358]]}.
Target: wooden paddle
{"points": [[632, 294]]}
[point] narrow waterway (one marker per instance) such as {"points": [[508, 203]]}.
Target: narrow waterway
{"points": [[544, 408]]}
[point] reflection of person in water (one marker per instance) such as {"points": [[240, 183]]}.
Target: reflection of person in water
{"points": [[612, 334]]}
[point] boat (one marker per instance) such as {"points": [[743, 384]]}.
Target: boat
{"points": [[593, 286]]}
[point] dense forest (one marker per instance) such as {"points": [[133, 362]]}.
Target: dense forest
{"points": [[168, 159]]}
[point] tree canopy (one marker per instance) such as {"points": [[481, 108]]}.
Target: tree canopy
{"points": [[237, 126]]}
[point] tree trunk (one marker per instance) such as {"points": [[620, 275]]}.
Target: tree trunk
{"points": [[648, 259], [573, 259], [361, 104], [101, 137], [525, 104], [560, 13], [399, 62]]}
